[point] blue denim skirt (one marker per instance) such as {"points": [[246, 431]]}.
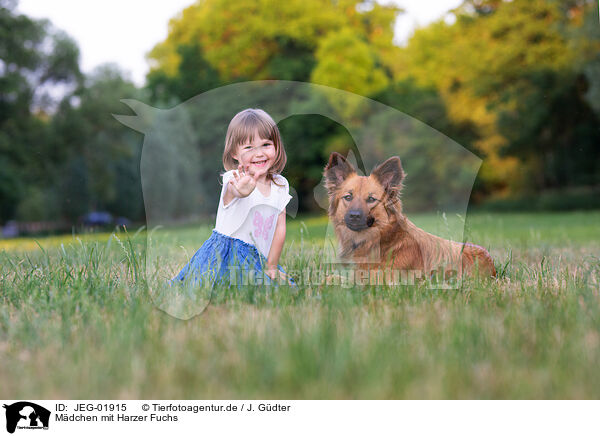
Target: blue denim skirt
{"points": [[226, 261]]}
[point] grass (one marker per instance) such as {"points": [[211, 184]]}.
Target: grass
{"points": [[77, 321]]}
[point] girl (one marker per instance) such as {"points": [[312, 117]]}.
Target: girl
{"points": [[250, 230]]}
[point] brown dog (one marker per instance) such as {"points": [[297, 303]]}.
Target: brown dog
{"points": [[366, 213]]}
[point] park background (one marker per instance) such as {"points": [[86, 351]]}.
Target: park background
{"points": [[517, 83]]}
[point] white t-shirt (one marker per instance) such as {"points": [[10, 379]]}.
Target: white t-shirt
{"points": [[253, 218]]}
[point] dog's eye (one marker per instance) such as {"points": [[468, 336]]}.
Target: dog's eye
{"points": [[348, 197], [371, 199]]}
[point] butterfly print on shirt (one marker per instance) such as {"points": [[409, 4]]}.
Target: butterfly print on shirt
{"points": [[262, 225]]}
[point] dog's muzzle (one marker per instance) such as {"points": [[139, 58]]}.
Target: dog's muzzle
{"points": [[356, 220]]}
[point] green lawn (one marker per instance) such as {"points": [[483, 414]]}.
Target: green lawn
{"points": [[77, 321]]}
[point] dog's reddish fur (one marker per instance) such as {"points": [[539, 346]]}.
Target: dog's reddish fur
{"points": [[387, 238]]}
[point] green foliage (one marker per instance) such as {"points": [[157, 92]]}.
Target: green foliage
{"points": [[309, 137], [552, 128], [99, 166], [345, 62], [33, 55], [194, 76], [515, 82], [270, 39], [38, 204], [294, 60], [426, 104]]}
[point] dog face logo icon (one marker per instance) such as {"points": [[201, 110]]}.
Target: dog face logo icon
{"points": [[26, 415]]}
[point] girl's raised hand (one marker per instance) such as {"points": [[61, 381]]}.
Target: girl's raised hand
{"points": [[243, 180]]}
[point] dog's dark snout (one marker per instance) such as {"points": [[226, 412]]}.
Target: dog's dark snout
{"points": [[356, 220], [354, 215]]}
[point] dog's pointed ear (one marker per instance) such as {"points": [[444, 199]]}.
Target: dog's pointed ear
{"points": [[336, 171], [390, 173]]}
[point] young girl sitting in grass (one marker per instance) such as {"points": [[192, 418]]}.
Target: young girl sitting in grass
{"points": [[249, 234]]}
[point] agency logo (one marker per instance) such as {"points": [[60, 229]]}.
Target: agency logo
{"points": [[26, 415]]}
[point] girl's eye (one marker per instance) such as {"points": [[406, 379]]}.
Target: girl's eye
{"points": [[371, 199], [267, 145], [348, 197]]}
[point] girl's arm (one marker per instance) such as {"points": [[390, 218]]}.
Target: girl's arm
{"points": [[276, 246], [230, 194]]}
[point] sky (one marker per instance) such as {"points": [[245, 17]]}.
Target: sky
{"points": [[137, 25]]}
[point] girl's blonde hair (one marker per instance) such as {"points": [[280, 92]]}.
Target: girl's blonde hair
{"points": [[241, 129]]}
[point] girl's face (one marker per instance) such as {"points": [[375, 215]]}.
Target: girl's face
{"points": [[259, 154]]}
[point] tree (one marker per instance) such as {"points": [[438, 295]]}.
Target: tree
{"points": [[489, 66], [254, 40], [99, 163], [35, 56], [194, 76], [345, 62]]}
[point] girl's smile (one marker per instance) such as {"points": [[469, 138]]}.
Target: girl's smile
{"points": [[260, 163]]}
